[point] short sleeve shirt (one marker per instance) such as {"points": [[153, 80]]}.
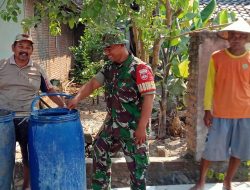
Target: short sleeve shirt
{"points": [[227, 91], [144, 78], [19, 86], [125, 86]]}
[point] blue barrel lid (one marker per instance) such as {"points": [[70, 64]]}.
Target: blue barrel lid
{"points": [[54, 115]]}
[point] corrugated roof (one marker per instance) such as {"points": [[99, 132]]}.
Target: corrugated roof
{"points": [[240, 7]]}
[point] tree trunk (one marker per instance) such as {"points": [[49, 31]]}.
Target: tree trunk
{"points": [[97, 99], [139, 45], [163, 111], [166, 67], [137, 41], [144, 55], [169, 14], [156, 53]]}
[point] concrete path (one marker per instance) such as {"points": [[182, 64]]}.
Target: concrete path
{"points": [[211, 186]]}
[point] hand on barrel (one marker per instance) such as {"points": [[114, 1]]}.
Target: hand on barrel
{"points": [[72, 103]]}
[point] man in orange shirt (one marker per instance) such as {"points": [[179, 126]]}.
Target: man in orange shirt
{"points": [[227, 104]]}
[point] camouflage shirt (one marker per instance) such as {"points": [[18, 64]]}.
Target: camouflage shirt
{"points": [[125, 84]]}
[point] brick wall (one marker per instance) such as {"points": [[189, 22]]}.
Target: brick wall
{"points": [[50, 52], [201, 46]]}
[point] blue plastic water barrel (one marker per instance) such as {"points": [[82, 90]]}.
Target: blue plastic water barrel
{"points": [[56, 149], [7, 149]]}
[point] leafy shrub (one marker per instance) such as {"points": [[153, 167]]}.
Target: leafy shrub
{"points": [[88, 55], [88, 58]]}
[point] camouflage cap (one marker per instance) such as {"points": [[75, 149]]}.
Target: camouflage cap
{"points": [[113, 38], [23, 37]]}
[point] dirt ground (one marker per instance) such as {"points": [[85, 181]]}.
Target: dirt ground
{"points": [[93, 115]]}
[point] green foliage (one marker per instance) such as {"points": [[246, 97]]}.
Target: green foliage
{"points": [[176, 88], [57, 12], [183, 69], [247, 163], [207, 12], [152, 20], [217, 175], [179, 60], [202, 17], [210, 174], [220, 176], [11, 10], [224, 17], [91, 70], [87, 56], [102, 14], [187, 17]]}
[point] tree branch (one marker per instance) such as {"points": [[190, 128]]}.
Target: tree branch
{"points": [[197, 30], [168, 14]]}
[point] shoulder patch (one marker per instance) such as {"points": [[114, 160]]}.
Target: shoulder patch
{"points": [[144, 78]]}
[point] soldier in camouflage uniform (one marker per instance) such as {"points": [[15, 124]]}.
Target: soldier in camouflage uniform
{"points": [[129, 92]]}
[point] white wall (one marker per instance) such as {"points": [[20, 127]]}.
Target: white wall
{"points": [[8, 31]]}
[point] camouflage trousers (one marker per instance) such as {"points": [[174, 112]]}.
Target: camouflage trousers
{"points": [[109, 141]]}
